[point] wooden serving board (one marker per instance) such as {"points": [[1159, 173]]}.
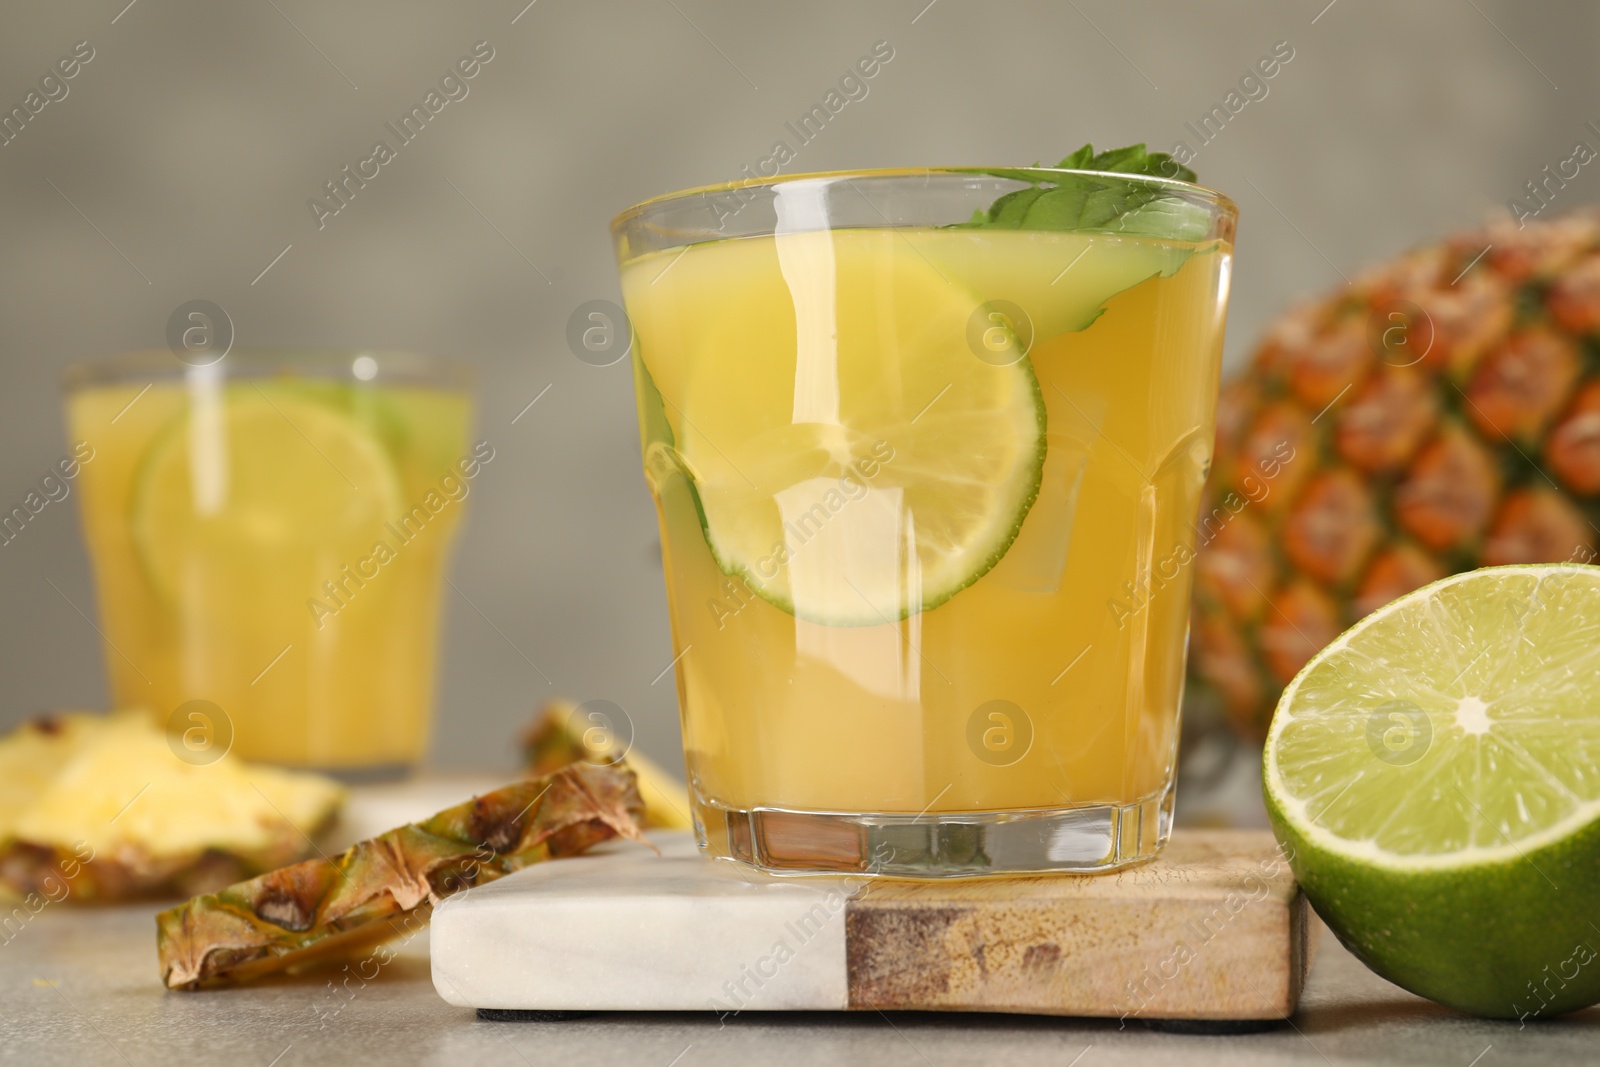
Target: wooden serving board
{"points": [[1213, 929]]}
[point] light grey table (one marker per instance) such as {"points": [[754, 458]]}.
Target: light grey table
{"points": [[80, 986]]}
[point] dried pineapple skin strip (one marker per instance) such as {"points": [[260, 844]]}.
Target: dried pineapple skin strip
{"points": [[319, 907], [557, 737]]}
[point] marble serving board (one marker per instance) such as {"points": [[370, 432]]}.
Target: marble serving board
{"points": [[1214, 929]]}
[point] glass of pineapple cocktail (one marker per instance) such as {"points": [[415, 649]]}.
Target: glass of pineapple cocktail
{"points": [[269, 536], [927, 447]]}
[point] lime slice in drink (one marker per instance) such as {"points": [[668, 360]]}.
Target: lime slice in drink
{"points": [[854, 458], [1063, 284], [253, 485], [1435, 774]]}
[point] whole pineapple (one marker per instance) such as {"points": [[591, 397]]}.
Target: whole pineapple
{"points": [[1439, 413]]}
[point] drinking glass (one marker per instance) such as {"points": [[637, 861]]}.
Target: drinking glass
{"points": [[269, 534], [926, 485]]}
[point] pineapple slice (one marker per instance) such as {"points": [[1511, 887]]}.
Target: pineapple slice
{"points": [[106, 794], [557, 737], [388, 885], [33, 755]]}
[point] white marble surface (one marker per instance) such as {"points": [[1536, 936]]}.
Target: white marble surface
{"points": [[626, 930]]}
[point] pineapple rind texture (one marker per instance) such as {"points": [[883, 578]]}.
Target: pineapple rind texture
{"points": [[386, 886], [557, 737], [1440, 413]]}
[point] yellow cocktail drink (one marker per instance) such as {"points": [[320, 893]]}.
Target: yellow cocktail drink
{"points": [[927, 497], [272, 542]]}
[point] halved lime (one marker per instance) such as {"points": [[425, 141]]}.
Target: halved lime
{"points": [[855, 460], [1435, 776], [253, 476]]}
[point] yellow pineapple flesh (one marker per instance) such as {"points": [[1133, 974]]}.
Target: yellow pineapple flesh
{"points": [[102, 804]]}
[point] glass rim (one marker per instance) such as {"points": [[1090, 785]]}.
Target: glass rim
{"points": [[398, 366], [1218, 200]]}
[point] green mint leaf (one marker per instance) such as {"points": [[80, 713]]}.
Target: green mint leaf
{"points": [[1092, 202], [1130, 160], [1010, 211], [1079, 160]]}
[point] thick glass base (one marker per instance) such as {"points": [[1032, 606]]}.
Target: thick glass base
{"points": [[967, 844]]}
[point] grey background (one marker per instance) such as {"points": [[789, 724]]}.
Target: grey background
{"points": [[194, 138]]}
